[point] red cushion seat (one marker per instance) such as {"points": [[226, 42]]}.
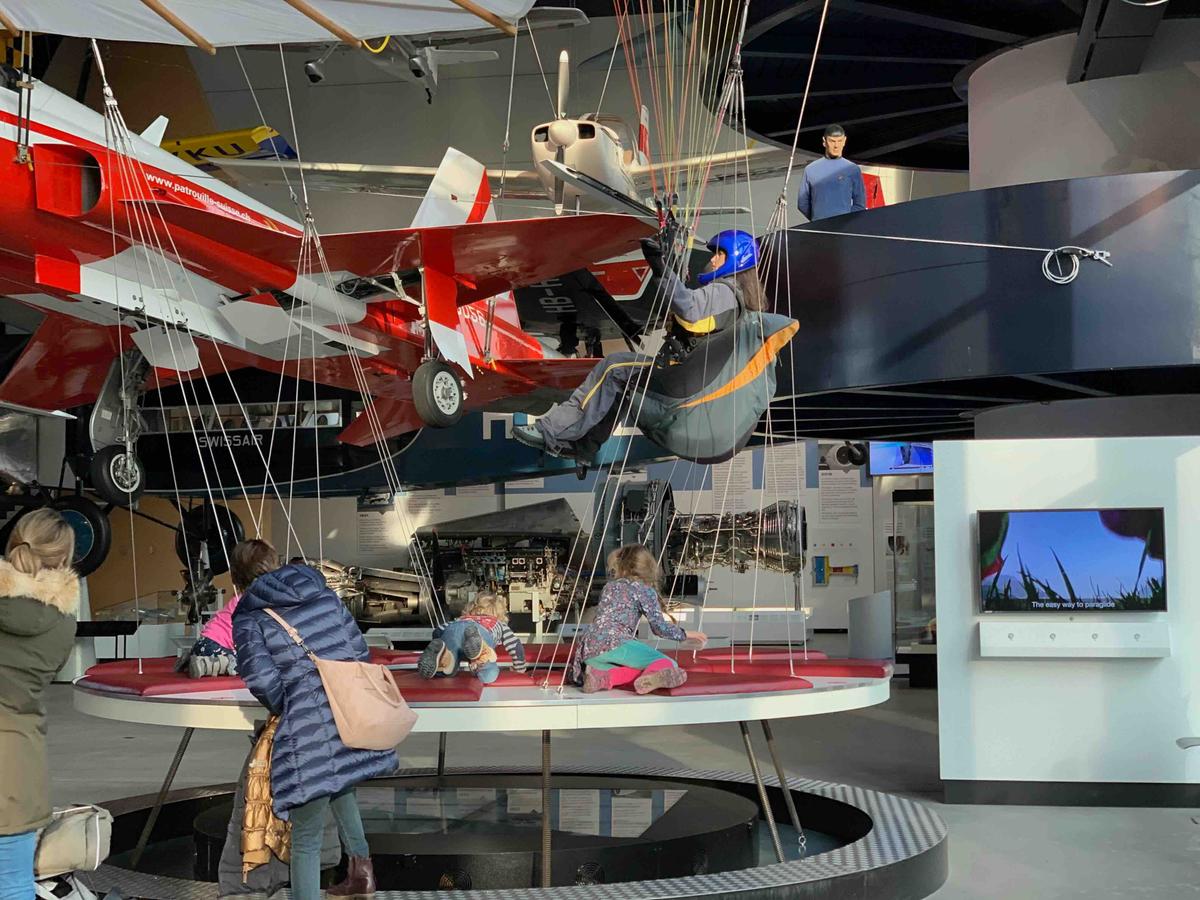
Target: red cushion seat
{"points": [[701, 683]]}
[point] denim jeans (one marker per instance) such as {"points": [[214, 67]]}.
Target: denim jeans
{"points": [[308, 825], [453, 635], [16, 865]]}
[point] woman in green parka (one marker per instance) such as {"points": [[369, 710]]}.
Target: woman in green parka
{"points": [[39, 598]]}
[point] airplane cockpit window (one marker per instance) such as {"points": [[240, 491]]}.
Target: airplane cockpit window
{"points": [[619, 127]]}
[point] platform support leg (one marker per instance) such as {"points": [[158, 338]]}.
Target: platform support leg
{"points": [[545, 809], [762, 791], [783, 783], [441, 768], [151, 819]]}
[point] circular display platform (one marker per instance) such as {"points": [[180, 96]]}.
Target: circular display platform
{"points": [[511, 709], [865, 843], [484, 831]]}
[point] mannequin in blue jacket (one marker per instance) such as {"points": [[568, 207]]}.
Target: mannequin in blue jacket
{"points": [[312, 771], [832, 185]]}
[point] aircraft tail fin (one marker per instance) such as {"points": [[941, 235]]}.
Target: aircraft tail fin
{"points": [[459, 193]]}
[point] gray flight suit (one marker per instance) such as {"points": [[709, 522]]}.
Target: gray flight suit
{"points": [[569, 421]]}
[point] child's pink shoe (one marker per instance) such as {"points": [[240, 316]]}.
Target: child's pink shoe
{"points": [[659, 679], [597, 680]]}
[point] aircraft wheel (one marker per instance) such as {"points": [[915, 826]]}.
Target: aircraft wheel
{"points": [[210, 527], [117, 476], [93, 533], [437, 394]]}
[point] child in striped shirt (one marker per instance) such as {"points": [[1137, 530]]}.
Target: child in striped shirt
{"points": [[473, 637]]}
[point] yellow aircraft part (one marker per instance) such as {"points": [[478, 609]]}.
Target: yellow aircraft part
{"points": [[223, 144]]}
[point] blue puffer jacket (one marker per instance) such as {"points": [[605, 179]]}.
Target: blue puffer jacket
{"points": [[309, 760]]}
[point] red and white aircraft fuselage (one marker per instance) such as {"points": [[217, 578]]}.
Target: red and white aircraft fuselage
{"points": [[121, 244]]}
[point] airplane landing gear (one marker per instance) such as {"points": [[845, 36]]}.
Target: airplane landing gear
{"points": [[437, 394], [117, 475]]}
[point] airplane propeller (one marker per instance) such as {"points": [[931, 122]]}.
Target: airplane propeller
{"points": [[563, 132]]}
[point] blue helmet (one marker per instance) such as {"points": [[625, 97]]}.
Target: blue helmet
{"points": [[741, 253]]}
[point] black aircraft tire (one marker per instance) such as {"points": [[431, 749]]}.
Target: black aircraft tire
{"points": [[109, 483], [216, 526], [437, 394], [93, 532]]}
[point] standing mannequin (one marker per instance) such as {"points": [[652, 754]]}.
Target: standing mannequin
{"points": [[832, 185]]}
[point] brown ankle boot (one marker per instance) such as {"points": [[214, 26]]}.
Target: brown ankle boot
{"points": [[359, 883]]}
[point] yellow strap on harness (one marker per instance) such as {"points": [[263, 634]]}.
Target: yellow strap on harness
{"points": [[707, 325]]}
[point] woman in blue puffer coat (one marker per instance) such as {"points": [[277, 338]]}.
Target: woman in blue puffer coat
{"points": [[311, 769]]}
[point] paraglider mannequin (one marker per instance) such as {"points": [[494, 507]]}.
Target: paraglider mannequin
{"points": [[729, 286]]}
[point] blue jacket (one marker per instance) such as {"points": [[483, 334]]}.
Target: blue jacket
{"points": [[309, 760]]}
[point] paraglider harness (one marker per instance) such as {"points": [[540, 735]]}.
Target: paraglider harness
{"points": [[682, 365], [681, 340]]}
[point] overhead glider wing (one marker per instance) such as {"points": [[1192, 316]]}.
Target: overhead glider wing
{"points": [[241, 22], [369, 178]]}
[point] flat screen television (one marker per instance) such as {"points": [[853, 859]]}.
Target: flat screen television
{"points": [[900, 458], [1072, 560]]}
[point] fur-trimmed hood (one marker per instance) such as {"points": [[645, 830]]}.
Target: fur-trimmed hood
{"points": [[55, 588]]}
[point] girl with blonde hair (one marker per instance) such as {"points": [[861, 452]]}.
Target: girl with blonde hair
{"points": [[39, 599], [473, 637], [610, 654]]}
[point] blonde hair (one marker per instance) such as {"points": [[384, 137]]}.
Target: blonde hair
{"points": [[635, 562], [487, 604], [40, 540]]}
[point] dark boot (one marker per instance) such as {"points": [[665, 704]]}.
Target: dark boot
{"points": [[359, 883]]}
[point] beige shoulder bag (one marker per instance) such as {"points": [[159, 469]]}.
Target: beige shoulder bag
{"points": [[368, 709]]}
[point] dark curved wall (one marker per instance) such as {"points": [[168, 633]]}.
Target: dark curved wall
{"points": [[876, 312]]}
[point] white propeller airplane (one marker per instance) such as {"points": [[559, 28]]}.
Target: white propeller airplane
{"points": [[590, 162]]}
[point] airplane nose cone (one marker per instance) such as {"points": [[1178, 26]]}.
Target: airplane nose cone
{"points": [[563, 133]]}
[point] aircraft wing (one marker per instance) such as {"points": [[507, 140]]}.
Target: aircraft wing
{"points": [[756, 162], [369, 178], [556, 374], [480, 259]]}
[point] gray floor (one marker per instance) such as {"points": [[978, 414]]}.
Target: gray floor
{"points": [[995, 852]]}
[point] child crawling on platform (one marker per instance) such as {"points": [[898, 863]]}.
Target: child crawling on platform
{"points": [[473, 637], [609, 654], [214, 653]]}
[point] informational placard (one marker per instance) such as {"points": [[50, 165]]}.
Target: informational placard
{"points": [[733, 485], [524, 800], [579, 811], [475, 490], [784, 471], [380, 531], [424, 803], [526, 484], [837, 489], [670, 798], [631, 815]]}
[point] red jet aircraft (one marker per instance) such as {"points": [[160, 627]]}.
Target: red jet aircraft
{"points": [[149, 271]]}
